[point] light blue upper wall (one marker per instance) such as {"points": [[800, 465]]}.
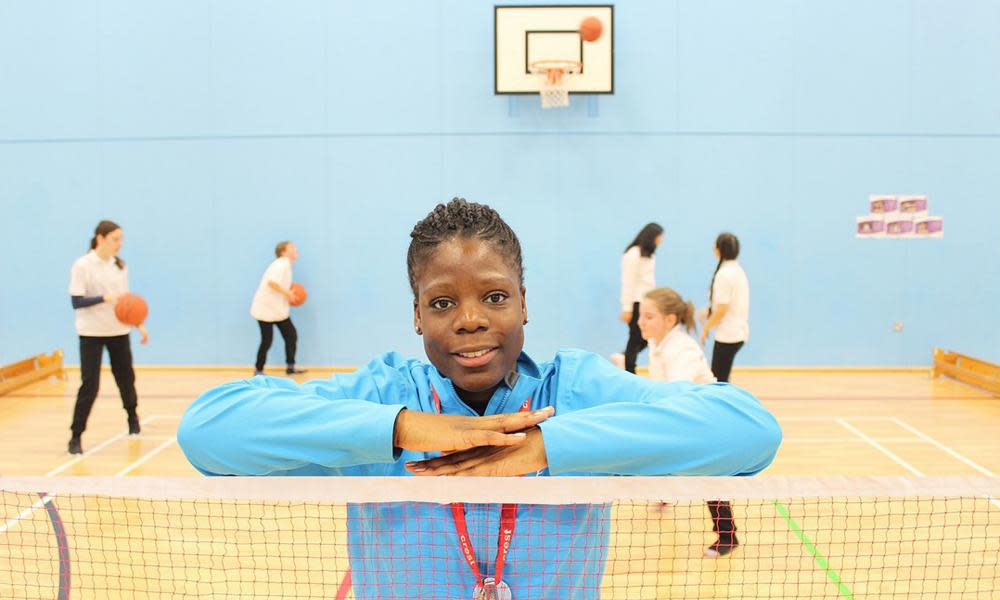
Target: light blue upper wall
{"points": [[212, 130]]}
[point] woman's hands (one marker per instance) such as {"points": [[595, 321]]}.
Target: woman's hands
{"points": [[505, 444], [489, 461]]}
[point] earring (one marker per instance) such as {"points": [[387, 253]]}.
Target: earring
{"points": [[418, 330], [526, 321]]}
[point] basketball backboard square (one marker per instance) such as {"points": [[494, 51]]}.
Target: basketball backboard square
{"points": [[525, 35]]}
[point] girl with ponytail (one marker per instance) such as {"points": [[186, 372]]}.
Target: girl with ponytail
{"points": [[101, 232], [729, 306], [97, 280], [666, 321]]}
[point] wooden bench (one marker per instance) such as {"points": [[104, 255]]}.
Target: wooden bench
{"points": [[25, 371], [969, 370]]}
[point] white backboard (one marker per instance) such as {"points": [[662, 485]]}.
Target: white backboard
{"points": [[526, 34]]}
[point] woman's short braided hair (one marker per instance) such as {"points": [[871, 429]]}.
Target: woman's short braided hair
{"points": [[460, 218]]}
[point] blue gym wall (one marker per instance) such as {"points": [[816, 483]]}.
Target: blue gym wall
{"points": [[211, 130]]}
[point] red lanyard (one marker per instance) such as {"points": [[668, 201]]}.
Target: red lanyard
{"points": [[508, 516]]}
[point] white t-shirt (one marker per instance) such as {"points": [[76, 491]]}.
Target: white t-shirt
{"points": [[678, 357], [90, 276], [268, 305], [733, 288], [638, 276]]}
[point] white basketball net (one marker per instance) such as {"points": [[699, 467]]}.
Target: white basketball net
{"points": [[553, 87]]}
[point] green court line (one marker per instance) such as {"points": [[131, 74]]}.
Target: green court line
{"points": [[820, 559]]}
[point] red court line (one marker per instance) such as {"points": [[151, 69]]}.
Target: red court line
{"points": [[345, 586]]}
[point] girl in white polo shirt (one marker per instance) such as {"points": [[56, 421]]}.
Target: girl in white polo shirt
{"points": [[665, 320], [729, 306], [270, 307], [97, 280], [638, 277]]}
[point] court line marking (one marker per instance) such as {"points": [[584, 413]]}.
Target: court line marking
{"points": [[48, 498], [820, 419], [879, 447], [38, 504], [62, 543], [847, 440], [953, 453], [956, 395], [821, 561], [97, 448], [145, 457], [110, 396]]}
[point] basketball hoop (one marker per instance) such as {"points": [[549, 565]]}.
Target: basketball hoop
{"points": [[554, 84]]}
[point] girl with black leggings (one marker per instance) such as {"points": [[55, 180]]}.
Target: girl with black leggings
{"points": [[97, 280], [638, 278]]}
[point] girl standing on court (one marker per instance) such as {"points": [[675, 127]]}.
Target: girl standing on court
{"points": [[638, 277], [97, 279], [729, 306], [666, 321], [480, 407], [270, 307]]}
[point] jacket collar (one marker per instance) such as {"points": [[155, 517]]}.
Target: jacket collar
{"points": [[516, 387]]}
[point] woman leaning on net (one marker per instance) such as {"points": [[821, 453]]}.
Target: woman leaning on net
{"points": [[493, 411]]}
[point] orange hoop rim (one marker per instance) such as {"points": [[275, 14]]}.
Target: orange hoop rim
{"points": [[542, 67]]}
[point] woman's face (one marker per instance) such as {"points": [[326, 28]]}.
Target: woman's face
{"points": [[471, 308], [111, 243], [658, 240], [653, 324]]}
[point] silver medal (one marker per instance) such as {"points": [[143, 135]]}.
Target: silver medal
{"points": [[492, 590]]}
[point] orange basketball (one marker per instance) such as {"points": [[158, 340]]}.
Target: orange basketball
{"points": [[131, 309], [299, 295], [590, 29]]}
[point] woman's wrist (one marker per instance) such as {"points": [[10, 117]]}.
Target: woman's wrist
{"points": [[397, 426]]}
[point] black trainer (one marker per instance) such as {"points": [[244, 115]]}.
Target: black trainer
{"points": [[294, 371], [725, 545], [133, 425], [74, 445]]}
